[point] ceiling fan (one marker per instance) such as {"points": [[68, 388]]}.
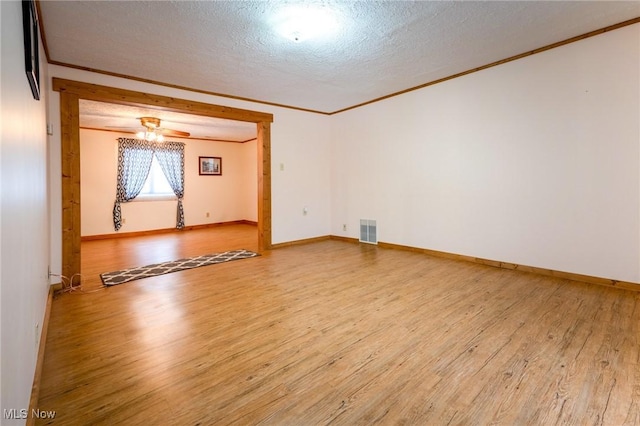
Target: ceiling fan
{"points": [[153, 131]]}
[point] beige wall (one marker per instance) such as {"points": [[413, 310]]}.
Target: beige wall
{"points": [[232, 196]]}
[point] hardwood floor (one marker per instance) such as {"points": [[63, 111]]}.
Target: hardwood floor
{"points": [[99, 256], [336, 333]]}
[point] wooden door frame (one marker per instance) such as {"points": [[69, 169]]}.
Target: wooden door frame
{"points": [[70, 94]]}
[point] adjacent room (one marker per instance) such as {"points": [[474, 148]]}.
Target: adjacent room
{"points": [[320, 212], [227, 195]]}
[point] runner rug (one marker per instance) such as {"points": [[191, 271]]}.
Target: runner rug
{"points": [[126, 275]]}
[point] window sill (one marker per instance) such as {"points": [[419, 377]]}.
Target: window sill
{"points": [[152, 197]]}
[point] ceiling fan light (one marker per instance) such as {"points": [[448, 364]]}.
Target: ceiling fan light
{"points": [[153, 132], [150, 122]]}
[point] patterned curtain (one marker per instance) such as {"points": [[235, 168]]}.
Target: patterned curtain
{"points": [[170, 156], [134, 163]]}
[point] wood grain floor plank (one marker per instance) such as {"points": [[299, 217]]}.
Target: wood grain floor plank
{"points": [[335, 333]]}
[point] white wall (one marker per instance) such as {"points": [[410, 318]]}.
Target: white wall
{"points": [[300, 173], [534, 162], [247, 193], [299, 139], [24, 251], [232, 196]]}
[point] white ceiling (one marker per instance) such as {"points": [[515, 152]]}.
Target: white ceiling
{"points": [[379, 48], [123, 118]]}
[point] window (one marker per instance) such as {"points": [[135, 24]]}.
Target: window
{"points": [[137, 171], [156, 187]]}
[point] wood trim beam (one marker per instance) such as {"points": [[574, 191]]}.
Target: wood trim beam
{"points": [[264, 186], [70, 94], [625, 285], [70, 146], [114, 95]]}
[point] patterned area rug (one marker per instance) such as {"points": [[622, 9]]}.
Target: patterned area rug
{"points": [[126, 275]]}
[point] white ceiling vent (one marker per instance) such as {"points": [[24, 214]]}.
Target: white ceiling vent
{"points": [[368, 231]]}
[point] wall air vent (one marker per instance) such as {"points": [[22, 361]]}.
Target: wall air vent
{"points": [[368, 231]]}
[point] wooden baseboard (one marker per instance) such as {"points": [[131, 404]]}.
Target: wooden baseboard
{"points": [[35, 387], [627, 285], [165, 230], [345, 239], [299, 242]]}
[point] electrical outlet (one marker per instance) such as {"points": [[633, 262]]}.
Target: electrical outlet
{"points": [[344, 226], [305, 210], [207, 214], [124, 220]]}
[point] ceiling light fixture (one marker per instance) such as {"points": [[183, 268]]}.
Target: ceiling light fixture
{"points": [[300, 23], [152, 129]]}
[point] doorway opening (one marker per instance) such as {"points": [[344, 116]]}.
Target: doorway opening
{"points": [[70, 94]]}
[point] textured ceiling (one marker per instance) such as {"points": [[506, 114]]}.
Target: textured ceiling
{"points": [[378, 48], [122, 118]]}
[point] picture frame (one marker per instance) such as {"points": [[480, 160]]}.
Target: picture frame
{"points": [[210, 166], [31, 46]]}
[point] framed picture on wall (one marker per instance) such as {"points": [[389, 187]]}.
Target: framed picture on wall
{"points": [[31, 49], [210, 166]]}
